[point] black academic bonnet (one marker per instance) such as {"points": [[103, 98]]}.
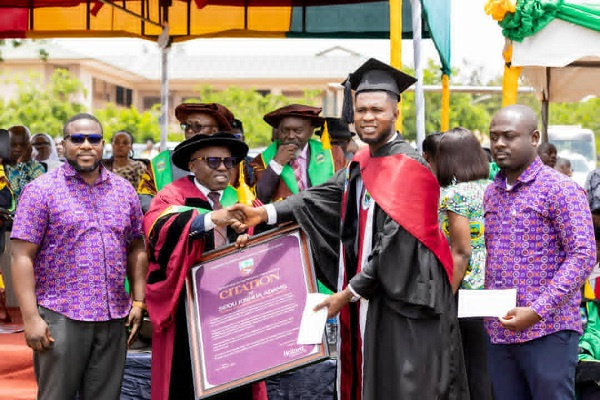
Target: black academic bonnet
{"points": [[373, 75], [184, 150], [337, 129]]}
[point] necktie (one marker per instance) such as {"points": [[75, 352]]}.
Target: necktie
{"points": [[220, 232], [295, 164]]}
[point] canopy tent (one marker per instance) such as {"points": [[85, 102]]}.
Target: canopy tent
{"points": [[555, 46], [176, 20]]}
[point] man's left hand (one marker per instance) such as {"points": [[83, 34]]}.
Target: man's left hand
{"points": [[335, 302], [241, 241], [519, 318], [136, 314]]}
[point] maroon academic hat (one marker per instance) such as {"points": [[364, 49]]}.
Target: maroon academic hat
{"points": [[219, 112], [295, 110]]}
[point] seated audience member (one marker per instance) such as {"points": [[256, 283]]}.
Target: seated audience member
{"points": [[430, 147], [237, 129], [45, 151], [149, 151], [60, 150], [122, 162], [547, 153], [563, 165], [21, 169]]}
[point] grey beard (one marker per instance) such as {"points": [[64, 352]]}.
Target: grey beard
{"points": [[80, 169]]}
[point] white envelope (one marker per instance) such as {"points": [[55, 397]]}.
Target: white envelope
{"points": [[486, 302], [312, 325]]}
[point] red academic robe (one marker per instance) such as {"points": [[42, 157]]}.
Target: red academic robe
{"points": [[171, 255]]}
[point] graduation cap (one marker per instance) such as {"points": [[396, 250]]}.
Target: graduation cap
{"points": [[373, 75]]}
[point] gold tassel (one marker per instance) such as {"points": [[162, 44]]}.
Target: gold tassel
{"points": [[325, 139]]}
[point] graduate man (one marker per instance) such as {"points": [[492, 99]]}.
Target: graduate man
{"points": [[398, 326], [186, 219]]}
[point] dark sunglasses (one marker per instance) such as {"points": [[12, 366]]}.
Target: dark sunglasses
{"points": [[215, 162], [195, 126], [79, 138]]}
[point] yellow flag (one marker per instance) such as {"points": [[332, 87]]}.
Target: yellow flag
{"points": [[245, 195], [325, 140]]}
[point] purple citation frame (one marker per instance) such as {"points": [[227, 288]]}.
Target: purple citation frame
{"points": [[244, 308]]}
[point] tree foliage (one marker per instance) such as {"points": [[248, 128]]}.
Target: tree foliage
{"points": [[142, 125], [41, 106], [45, 106]]}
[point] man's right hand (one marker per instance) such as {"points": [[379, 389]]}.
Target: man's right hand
{"points": [[285, 153], [37, 334]]}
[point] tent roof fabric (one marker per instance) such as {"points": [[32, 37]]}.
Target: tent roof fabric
{"points": [[563, 54], [259, 18]]}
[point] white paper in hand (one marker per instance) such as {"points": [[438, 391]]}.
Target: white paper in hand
{"points": [[486, 303], [312, 325]]}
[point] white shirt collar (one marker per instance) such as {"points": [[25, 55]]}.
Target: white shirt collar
{"points": [[205, 191]]}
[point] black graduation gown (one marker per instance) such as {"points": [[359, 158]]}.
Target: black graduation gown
{"points": [[412, 347]]}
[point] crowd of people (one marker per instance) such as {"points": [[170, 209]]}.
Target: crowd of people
{"points": [[396, 234]]}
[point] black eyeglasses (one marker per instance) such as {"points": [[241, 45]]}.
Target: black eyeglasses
{"points": [[79, 138], [215, 162], [196, 127]]}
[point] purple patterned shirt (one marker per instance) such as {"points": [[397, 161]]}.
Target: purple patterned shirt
{"points": [[83, 233], [540, 240]]}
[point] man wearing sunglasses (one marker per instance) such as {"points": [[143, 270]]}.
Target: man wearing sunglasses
{"points": [[77, 234], [294, 161], [186, 219], [195, 119]]}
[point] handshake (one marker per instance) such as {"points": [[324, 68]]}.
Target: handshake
{"points": [[239, 216]]}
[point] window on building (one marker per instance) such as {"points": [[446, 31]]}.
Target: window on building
{"points": [[293, 93], [124, 96], [150, 101]]}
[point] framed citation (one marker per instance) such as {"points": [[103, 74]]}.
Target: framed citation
{"points": [[244, 309]]}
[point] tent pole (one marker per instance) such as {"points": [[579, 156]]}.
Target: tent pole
{"points": [[546, 107], [164, 43], [419, 96], [545, 110], [164, 97]]}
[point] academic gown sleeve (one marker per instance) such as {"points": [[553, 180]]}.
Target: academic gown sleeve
{"points": [[318, 211]]}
